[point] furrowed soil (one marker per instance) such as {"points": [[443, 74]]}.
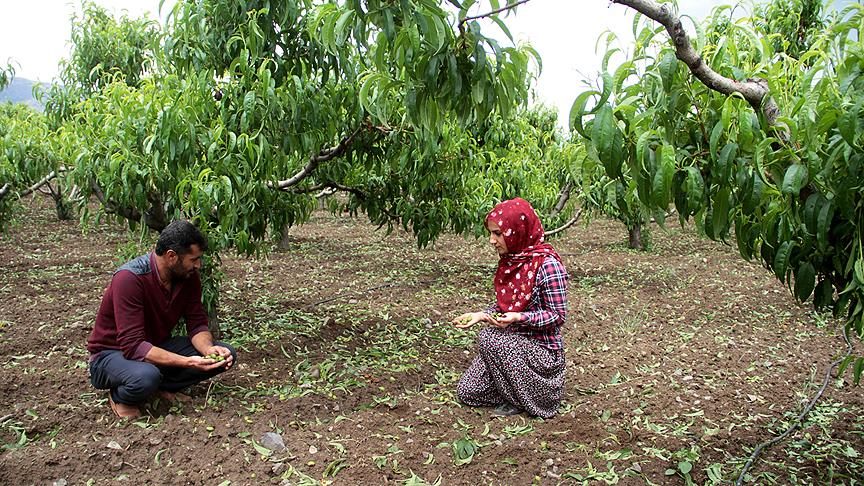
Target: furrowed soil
{"points": [[680, 360]]}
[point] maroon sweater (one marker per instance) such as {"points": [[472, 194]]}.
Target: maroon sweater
{"points": [[137, 312]]}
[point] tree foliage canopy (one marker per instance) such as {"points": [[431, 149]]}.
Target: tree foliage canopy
{"points": [[791, 189]]}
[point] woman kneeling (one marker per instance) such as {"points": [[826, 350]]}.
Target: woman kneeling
{"points": [[520, 360]]}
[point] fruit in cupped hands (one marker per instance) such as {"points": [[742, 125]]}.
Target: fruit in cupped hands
{"points": [[497, 316], [215, 356]]}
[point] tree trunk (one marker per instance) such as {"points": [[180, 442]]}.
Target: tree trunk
{"points": [[635, 234], [284, 237], [63, 207], [213, 322]]}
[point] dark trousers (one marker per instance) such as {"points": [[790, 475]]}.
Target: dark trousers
{"points": [[132, 382]]}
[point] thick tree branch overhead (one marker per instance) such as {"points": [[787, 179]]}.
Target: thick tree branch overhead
{"points": [[42, 182], [755, 91], [322, 156]]}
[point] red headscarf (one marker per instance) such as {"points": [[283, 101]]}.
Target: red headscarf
{"points": [[517, 269]]}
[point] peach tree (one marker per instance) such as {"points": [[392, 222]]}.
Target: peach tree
{"points": [[240, 115], [758, 146]]}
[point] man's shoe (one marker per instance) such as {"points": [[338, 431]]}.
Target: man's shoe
{"points": [[123, 410], [506, 410], [173, 397]]}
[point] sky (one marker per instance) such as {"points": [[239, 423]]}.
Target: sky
{"points": [[34, 35]]}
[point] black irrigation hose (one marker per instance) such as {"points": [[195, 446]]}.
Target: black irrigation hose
{"points": [[803, 414]]}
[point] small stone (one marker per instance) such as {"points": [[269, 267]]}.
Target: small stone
{"points": [[116, 466], [285, 482], [336, 408], [550, 462], [272, 441], [59, 482], [155, 441], [314, 372], [114, 445], [278, 468], [352, 301], [636, 467], [313, 449]]}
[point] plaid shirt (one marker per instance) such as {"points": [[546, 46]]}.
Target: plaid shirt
{"points": [[544, 316]]}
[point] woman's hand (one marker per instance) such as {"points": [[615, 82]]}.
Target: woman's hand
{"points": [[504, 320], [468, 319]]}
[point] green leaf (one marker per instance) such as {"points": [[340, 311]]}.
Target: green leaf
{"points": [[847, 125], [805, 281], [856, 372], [605, 135], [464, 450], [342, 28], [743, 238], [781, 259], [661, 187], [844, 364], [823, 225], [716, 133], [261, 449], [823, 297], [795, 179], [859, 272], [724, 162], [668, 66], [695, 188], [720, 216], [685, 467]]}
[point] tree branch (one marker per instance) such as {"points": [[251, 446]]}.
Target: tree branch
{"points": [[327, 191], [154, 217], [563, 197], [315, 160], [754, 91], [42, 182], [565, 225], [496, 11], [110, 206]]}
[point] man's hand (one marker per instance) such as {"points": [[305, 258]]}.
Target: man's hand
{"points": [[227, 360], [203, 363]]}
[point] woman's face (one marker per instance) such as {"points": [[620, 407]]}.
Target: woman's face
{"points": [[496, 237]]}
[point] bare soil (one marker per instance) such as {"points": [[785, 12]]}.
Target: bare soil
{"points": [[681, 359]]}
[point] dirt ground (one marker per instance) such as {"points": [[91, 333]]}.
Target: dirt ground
{"points": [[681, 360]]}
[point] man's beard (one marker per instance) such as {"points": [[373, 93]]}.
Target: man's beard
{"points": [[177, 273]]}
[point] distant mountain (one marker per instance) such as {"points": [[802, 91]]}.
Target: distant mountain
{"points": [[21, 91]]}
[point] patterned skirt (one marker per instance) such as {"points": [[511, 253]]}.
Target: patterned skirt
{"points": [[515, 369]]}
